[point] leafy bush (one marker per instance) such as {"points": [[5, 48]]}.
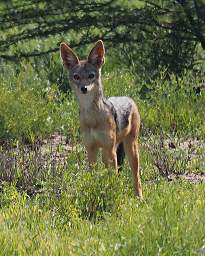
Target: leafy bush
{"points": [[96, 193], [9, 196], [30, 107], [165, 105], [173, 106]]}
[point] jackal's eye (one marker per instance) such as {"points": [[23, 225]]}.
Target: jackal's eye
{"points": [[76, 77], [91, 76]]}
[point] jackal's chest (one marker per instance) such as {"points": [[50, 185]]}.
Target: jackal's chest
{"points": [[97, 127], [93, 136]]}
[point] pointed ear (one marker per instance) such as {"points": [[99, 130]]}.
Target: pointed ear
{"points": [[68, 57], [96, 56]]}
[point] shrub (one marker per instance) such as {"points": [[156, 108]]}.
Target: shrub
{"points": [[30, 107], [96, 193]]}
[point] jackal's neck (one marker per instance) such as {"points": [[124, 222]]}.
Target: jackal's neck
{"points": [[93, 101]]}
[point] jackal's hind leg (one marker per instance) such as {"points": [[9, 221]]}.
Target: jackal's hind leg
{"points": [[131, 150]]}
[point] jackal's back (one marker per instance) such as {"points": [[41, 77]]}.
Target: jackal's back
{"points": [[123, 109]]}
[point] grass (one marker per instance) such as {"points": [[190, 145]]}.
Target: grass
{"points": [[77, 212], [168, 222], [51, 209]]}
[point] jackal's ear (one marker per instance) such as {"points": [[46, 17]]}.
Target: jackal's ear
{"points": [[96, 56], [68, 57]]}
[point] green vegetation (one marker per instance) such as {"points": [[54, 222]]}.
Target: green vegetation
{"points": [[50, 202], [46, 211], [170, 221]]}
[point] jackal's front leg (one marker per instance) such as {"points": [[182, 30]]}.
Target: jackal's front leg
{"points": [[109, 157], [92, 154]]}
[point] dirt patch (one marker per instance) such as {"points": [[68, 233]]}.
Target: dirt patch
{"points": [[52, 153], [57, 146], [177, 158], [191, 177]]}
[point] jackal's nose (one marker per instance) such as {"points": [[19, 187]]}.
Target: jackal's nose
{"points": [[84, 89]]}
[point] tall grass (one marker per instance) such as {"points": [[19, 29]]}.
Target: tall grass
{"points": [[170, 221]]}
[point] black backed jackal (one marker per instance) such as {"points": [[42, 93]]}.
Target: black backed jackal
{"points": [[108, 123]]}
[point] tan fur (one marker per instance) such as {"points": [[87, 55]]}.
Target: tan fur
{"points": [[97, 122]]}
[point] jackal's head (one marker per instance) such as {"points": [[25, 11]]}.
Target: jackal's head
{"points": [[84, 75]]}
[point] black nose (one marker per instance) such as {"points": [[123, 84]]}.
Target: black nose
{"points": [[84, 89]]}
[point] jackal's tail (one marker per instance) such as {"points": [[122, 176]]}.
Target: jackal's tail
{"points": [[120, 156]]}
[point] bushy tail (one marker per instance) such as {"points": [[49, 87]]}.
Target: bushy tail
{"points": [[120, 155]]}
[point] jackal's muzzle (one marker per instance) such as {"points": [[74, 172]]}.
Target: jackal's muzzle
{"points": [[84, 89]]}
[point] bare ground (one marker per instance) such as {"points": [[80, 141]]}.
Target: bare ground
{"points": [[55, 150], [194, 147]]}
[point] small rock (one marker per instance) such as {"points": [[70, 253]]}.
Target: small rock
{"points": [[202, 249]]}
